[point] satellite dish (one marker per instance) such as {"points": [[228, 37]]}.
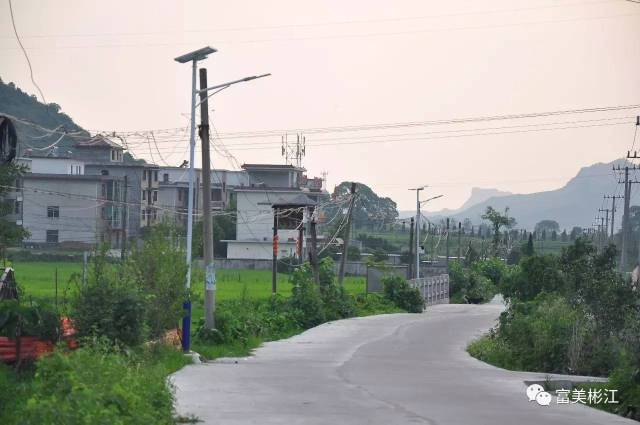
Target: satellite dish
{"points": [[8, 140]]}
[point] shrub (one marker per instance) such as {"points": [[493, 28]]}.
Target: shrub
{"points": [[402, 295], [336, 302], [369, 304], [97, 386], [108, 306], [305, 298], [470, 285], [491, 268], [17, 319], [158, 270]]}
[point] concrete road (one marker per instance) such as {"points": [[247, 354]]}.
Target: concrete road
{"points": [[390, 369]]}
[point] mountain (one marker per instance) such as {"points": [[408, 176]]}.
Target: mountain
{"points": [[34, 116], [477, 196], [575, 204]]}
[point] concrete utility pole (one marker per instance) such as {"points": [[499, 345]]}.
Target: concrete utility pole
{"points": [[447, 261], [625, 219], [123, 248], [313, 251], [613, 210], [274, 263], [410, 271], [606, 222], [459, 240], [207, 225], [417, 231], [347, 231]]}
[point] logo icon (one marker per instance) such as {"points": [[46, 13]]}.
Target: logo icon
{"points": [[536, 392]]}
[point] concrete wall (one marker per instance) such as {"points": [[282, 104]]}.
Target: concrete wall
{"points": [[258, 250], [255, 215], [79, 218], [55, 166], [134, 192]]}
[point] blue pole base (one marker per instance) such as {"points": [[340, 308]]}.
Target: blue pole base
{"points": [[186, 327]]}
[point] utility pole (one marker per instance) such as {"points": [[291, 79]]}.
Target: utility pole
{"points": [[347, 230], [123, 248], [417, 231], [459, 240], [447, 261], [605, 224], [274, 263], [613, 209], [207, 225], [410, 271], [313, 251]]}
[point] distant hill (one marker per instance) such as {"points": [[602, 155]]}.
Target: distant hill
{"points": [[24, 106], [477, 196], [575, 204]]}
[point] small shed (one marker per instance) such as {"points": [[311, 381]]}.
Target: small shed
{"points": [[8, 285]]}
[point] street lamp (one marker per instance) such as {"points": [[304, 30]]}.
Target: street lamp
{"points": [[192, 57], [430, 199], [418, 189], [207, 222]]}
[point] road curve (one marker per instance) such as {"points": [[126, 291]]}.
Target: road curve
{"points": [[388, 369]]}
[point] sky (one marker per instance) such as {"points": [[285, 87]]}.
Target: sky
{"points": [[396, 67]]}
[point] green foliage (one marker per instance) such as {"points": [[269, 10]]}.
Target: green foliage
{"points": [[370, 210], [10, 233], [97, 385], [470, 285], [18, 319], [379, 255], [353, 253], [369, 304], [109, 306], [533, 275], [158, 269], [397, 290], [498, 221], [306, 299], [336, 302]]}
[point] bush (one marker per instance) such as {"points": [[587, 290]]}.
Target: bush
{"points": [[306, 299], [97, 386], [369, 304], [469, 285], [17, 319], [336, 302], [108, 306], [158, 270], [397, 290]]}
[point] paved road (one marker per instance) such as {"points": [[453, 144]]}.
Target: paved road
{"points": [[392, 369]]}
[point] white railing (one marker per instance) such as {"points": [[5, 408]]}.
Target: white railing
{"points": [[434, 289]]}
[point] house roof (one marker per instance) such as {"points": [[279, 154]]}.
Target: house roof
{"points": [[271, 167], [298, 201], [98, 141]]}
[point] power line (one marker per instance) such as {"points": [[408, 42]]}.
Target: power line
{"points": [[15, 31]]}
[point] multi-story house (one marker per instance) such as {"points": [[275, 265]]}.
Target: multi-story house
{"points": [[272, 185]]}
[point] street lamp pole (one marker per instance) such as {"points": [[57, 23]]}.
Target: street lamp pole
{"points": [[417, 230], [192, 57]]}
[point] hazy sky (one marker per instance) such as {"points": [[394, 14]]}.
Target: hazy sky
{"points": [[343, 63]]}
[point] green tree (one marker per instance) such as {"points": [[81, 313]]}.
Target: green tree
{"points": [[547, 226], [10, 232], [498, 221]]}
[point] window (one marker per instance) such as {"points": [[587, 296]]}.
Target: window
{"points": [[104, 172], [144, 214], [52, 236], [144, 195], [53, 212], [155, 176], [144, 175], [155, 195], [116, 155], [179, 194], [77, 169], [104, 190], [216, 194], [165, 178], [17, 208]]}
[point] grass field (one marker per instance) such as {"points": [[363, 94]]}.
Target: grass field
{"points": [[38, 281]]}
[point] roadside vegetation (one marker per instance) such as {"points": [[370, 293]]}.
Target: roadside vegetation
{"points": [[125, 315], [571, 313]]}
